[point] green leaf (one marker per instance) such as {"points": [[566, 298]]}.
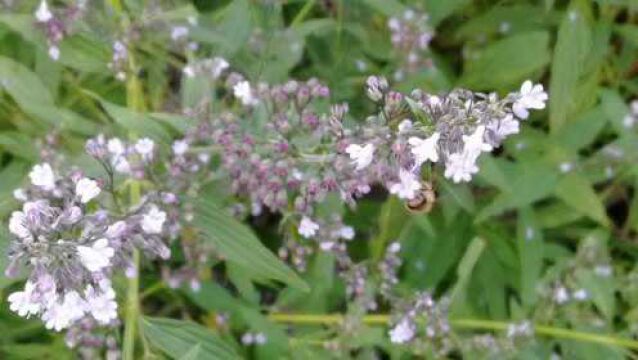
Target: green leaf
{"points": [[465, 268], [386, 7], [22, 84], [18, 144], [583, 131], [519, 17], [84, 53], [532, 181], [239, 245], [193, 353], [176, 337], [601, 290], [440, 9], [615, 109], [507, 62], [459, 193], [530, 252], [570, 54], [579, 194], [629, 32]]}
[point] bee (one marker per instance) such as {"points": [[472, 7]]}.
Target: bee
{"points": [[424, 201]]}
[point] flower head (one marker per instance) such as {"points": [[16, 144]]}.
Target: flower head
{"points": [[97, 256], [425, 149], [502, 128], [461, 166], [475, 142], [361, 155], [244, 93], [153, 220], [408, 185], [530, 97], [64, 312], [18, 225], [145, 147], [403, 332], [86, 189], [21, 302], [307, 227], [43, 14], [42, 176], [100, 303]]}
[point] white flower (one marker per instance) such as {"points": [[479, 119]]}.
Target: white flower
{"points": [[144, 147], [153, 220], [178, 32], [402, 332], [61, 314], [307, 227], [425, 149], [21, 302], [115, 146], [260, 339], [189, 71], [101, 304], [405, 125], [474, 143], [97, 256], [115, 230], [361, 155], [565, 167], [42, 176], [504, 127], [244, 93], [122, 165], [580, 295], [628, 121], [460, 167], [20, 194], [530, 97], [408, 185], [346, 232], [18, 225], [43, 14], [395, 247], [54, 52], [86, 189], [326, 245], [180, 147], [218, 67], [561, 295], [603, 270]]}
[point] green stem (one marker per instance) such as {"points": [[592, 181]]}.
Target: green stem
{"points": [[472, 324], [132, 311], [301, 15], [135, 100]]}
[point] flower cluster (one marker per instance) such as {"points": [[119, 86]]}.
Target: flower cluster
{"points": [[423, 316], [70, 240], [411, 36], [57, 26], [424, 129]]}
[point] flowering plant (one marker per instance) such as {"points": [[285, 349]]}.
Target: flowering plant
{"points": [[317, 179]]}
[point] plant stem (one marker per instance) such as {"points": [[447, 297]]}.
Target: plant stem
{"points": [[301, 15], [132, 294], [135, 100], [132, 311], [472, 324]]}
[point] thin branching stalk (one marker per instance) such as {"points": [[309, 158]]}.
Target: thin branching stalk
{"points": [[468, 324]]}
